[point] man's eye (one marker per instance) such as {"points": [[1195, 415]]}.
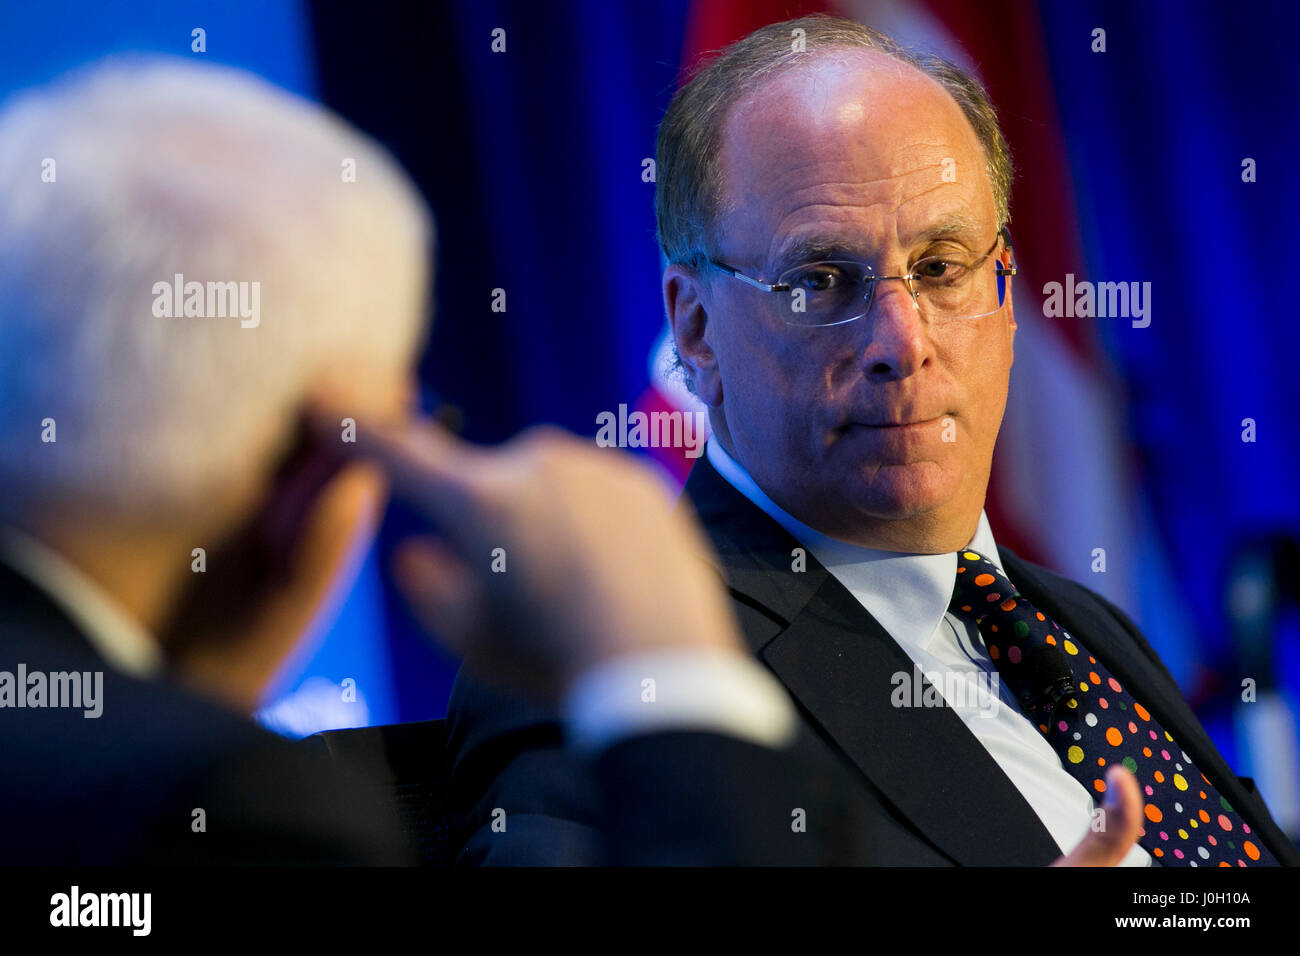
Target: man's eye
{"points": [[821, 278], [940, 269]]}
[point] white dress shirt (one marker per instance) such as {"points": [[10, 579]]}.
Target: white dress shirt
{"points": [[123, 643], [908, 595]]}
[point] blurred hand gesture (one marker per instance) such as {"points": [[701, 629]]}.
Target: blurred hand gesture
{"points": [[548, 556]]}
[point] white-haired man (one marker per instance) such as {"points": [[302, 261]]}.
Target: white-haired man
{"points": [[186, 255]]}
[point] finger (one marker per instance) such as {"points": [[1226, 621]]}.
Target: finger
{"points": [[428, 467], [447, 600], [440, 590], [1121, 818]]}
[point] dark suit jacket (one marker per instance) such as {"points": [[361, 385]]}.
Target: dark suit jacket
{"points": [[878, 784], [121, 788]]}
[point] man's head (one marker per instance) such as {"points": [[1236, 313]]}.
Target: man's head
{"points": [[880, 430], [175, 423]]}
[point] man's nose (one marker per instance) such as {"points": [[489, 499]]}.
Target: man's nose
{"points": [[898, 341]]}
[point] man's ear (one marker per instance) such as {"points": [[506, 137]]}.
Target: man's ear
{"points": [[233, 627], [688, 317]]}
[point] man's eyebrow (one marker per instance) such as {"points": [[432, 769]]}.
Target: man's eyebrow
{"points": [[817, 249], [954, 227], [823, 248]]}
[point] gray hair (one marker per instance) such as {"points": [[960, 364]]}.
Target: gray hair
{"points": [[688, 196], [115, 180]]}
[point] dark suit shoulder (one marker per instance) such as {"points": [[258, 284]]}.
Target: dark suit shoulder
{"points": [[163, 776], [124, 786], [266, 800]]}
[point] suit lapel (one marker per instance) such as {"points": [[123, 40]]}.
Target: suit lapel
{"points": [[840, 665]]}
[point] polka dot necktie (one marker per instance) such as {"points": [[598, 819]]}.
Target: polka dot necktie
{"points": [[1092, 722]]}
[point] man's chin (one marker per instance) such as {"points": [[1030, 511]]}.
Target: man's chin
{"points": [[898, 493]]}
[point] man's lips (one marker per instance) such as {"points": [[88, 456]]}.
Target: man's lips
{"points": [[901, 423]]}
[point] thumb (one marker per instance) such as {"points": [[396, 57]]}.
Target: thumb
{"points": [[451, 605], [1121, 817], [440, 590]]}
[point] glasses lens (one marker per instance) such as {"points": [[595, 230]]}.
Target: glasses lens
{"points": [[824, 293], [948, 288]]}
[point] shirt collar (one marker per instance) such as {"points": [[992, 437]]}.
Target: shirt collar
{"points": [[105, 624], [907, 594]]}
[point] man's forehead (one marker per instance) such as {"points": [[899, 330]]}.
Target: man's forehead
{"points": [[842, 91], [857, 129]]}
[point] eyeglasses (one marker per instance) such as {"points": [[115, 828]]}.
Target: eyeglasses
{"points": [[947, 287]]}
